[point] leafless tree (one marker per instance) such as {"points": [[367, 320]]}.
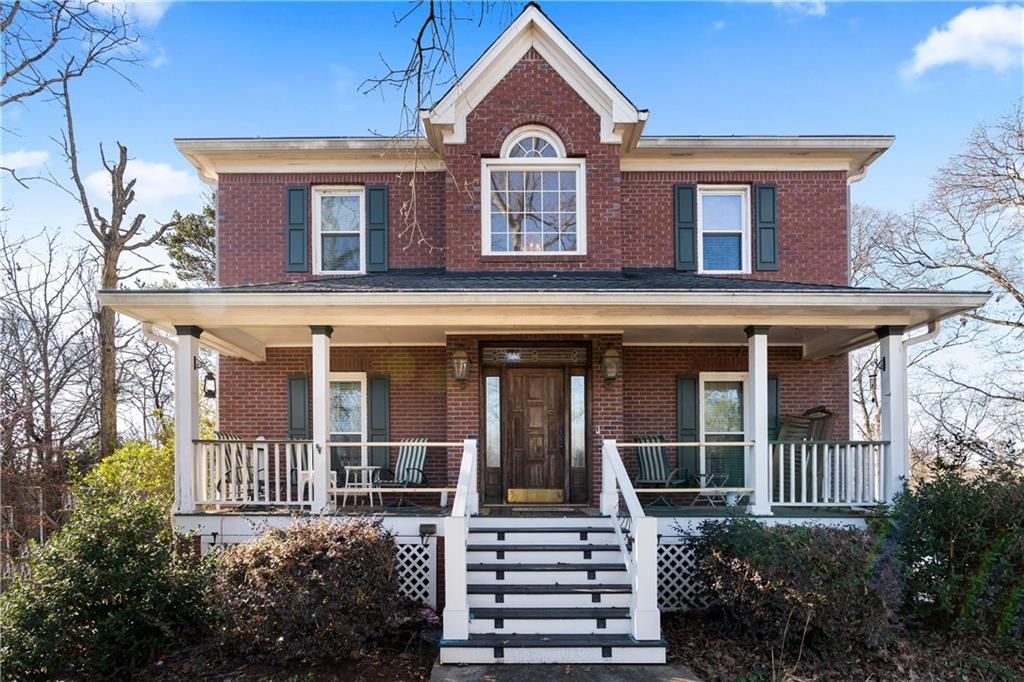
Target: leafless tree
{"points": [[48, 377], [429, 68], [115, 232], [49, 42], [968, 235]]}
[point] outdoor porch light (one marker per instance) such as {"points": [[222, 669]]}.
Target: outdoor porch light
{"points": [[612, 364], [210, 385], [460, 365]]}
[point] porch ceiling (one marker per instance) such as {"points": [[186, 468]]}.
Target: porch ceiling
{"points": [[821, 322]]}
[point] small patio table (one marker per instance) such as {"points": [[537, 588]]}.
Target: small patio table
{"points": [[364, 477]]}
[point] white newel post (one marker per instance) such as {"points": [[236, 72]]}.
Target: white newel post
{"points": [[892, 389], [646, 616], [456, 600], [609, 491], [321, 455], [186, 416], [757, 430]]}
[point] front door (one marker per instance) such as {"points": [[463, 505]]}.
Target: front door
{"points": [[535, 435]]}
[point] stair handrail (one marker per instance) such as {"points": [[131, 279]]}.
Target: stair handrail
{"points": [[467, 501], [639, 544], [456, 534]]}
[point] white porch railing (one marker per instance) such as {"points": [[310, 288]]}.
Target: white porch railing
{"points": [[638, 539], [253, 472], [456, 534], [829, 473]]}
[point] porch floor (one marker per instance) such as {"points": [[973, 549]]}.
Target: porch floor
{"points": [[674, 511]]}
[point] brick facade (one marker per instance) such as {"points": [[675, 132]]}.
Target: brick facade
{"points": [[251, 220], [253, 398], [813, 243], [533, 93]]}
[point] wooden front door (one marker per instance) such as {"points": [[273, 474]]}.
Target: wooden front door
{"points": [[535, 434]]}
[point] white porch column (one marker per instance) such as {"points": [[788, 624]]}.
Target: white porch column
{"points": [[757, 427], [321, 455], [186, 416], [892, 389]]}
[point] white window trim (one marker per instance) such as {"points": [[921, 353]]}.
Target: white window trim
{"points": [[578, 165], [361, 378], [532, 131], [338, 190], [705, 377], [744, 190]]}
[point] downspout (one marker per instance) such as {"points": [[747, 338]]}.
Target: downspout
{"points": [[147, 331]]}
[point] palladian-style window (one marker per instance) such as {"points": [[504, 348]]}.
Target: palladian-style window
{"points": [[536, 197]]}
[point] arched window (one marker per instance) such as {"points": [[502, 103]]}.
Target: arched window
{"points": [[536, 197]]}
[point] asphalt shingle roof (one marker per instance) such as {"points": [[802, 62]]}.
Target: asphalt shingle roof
{"points": [[617, 280]]}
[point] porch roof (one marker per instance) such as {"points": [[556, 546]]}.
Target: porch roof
{"points": [[421, 307]]}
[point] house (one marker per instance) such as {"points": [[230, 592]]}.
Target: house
{"points": [[573, 340]]}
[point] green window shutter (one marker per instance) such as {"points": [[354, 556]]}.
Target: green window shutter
{"points": [[767, 227], [376, 228], [297, 229], [773, 408], [378, 420], [686, 227], [298, 406], [687, 423]]}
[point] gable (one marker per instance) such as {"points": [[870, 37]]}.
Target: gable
{"points": [[621, 121]]}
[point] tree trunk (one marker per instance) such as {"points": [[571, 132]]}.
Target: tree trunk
{"points": [[108, 362]]}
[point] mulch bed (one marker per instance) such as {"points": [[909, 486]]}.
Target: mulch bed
{"points": [[396, 661], [715, 651]]}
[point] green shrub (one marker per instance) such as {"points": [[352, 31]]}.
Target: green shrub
{"points": [[832, 586], [102, 596], [137, 467], [962, 544], [315, 591]]}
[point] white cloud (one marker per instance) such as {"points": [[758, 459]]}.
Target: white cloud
{"points": [[146, 12], [160, 59], [718, 25], [155, 182], [983, 37], [802, 8], [24, 159]]}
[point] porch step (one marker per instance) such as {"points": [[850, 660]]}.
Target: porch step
{"points": [[473, 528], [547, 614], [541, 548], [555, 648], [531, 568], [549, 589]]}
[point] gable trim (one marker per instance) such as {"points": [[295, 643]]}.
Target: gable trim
{"points": [[445, 122]]}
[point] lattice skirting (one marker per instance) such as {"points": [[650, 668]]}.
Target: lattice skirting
{"points": [[677, 588], [417, 569]]}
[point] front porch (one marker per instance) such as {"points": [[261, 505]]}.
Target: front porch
{"points": [[629, 417]]}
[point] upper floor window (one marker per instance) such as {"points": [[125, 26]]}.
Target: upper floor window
{"points": [[338, 229], [723, 224], [535, 197]]}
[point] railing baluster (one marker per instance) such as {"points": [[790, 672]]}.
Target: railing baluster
{"points": [[803, 473], [792, 473], [814, 473]]}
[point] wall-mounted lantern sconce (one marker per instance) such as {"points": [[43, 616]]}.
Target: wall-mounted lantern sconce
{"points": [[460, 365], [210, 385], [612, 364]]}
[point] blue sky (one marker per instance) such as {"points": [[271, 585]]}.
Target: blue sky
{"points": [[277, 69]]}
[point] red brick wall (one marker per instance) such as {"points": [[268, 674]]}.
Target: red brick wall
{"points": [[253, 398], [533, 93], [812, 221], [649, 396], [426, 401], [251, 219]]}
